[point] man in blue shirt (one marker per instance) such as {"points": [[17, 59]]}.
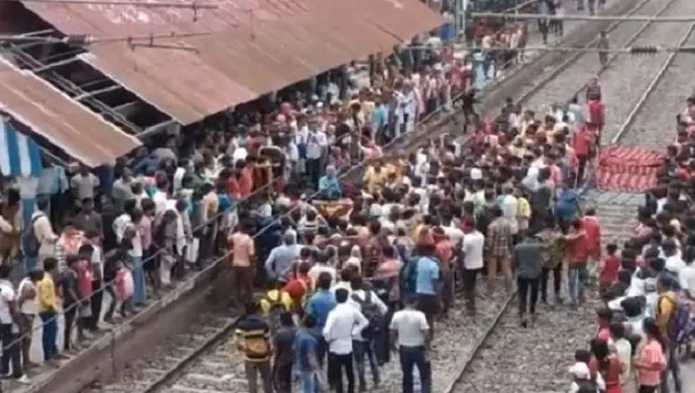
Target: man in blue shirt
{"points": [[427, 280], [380, 120], [320, 304], [566, 206], [306, 353], [281, 259], [329, 185]]}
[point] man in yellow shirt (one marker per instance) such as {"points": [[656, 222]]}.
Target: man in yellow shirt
{"points": [[211, 204], [48, 309], [523, 209], [666, 306], [374, 178]]}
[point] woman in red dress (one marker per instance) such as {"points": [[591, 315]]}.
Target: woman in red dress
{"points": [[607, 364]]}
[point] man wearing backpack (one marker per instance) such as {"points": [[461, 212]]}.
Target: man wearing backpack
{"points": [[253, 340], [671, 317], [38, 239], [369, 304], [427, 279]]}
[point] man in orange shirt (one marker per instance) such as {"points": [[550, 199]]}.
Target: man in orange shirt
{"points": [[592, 228], [444, 251], [241, 253], [245, 181]]}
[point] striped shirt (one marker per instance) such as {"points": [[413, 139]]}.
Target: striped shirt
{"points": [[499, 238], [253, 338]]}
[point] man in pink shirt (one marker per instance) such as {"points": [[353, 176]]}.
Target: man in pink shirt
{"points": [[241, 251]]}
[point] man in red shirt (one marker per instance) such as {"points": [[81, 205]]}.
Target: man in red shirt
{"points": [[605, 315], [595, 113], [578, 255], [584, 142], [609, 268], [297, 287]]}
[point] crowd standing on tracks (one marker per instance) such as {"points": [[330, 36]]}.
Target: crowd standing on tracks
{"points": [[647, 287], [370, 269]]}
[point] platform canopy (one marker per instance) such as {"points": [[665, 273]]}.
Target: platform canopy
{"points": [[65, 123], [255, 46]]}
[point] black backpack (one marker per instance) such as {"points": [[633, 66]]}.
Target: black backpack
{"points": [[30, 243], [587, 386], [370, 311]]}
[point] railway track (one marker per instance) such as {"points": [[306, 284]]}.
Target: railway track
{"points": [[201, 359], [536, 361], [651, 123]]}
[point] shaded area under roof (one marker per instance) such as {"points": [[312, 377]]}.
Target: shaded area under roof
{"points": [[62, 121], [257, 46]]}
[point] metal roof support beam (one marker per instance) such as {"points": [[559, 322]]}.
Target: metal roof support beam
{"points": [[152, 4], [38, 33], [51, 66], [126, 109], [149, 131], [97, 92], [73, 89], [95, 82]]}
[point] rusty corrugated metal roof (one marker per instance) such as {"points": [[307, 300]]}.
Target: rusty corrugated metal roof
{"points": [[251, 53], [64, 122]]}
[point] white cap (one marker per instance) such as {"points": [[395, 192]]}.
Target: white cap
{"points": [[580, 370], [476, 174]]}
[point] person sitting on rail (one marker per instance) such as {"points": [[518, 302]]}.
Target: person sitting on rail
{"points": [[329, 185]]}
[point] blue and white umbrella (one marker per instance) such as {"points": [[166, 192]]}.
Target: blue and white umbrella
{"points": [[19, 155]]}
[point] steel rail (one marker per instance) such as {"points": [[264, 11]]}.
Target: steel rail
{"points": [[626, 18], [630, 50], [494, 324], [573, 59], [650, 88], [169, 375]]}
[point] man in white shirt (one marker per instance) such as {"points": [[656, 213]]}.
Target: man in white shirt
{"points": [[321, 266], [674, 260], [510, 206], [367, 302], [473, 246], [455, 234], [687, 278], [623, 349], [410, 332], [344, 282], [27, 305], [161, 197], [343, 322], [9, 331], [315, 146]]}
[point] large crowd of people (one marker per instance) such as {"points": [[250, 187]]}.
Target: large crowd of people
{"points": [[647, 286], [357, 268], [379, 270], [117, 237]]}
